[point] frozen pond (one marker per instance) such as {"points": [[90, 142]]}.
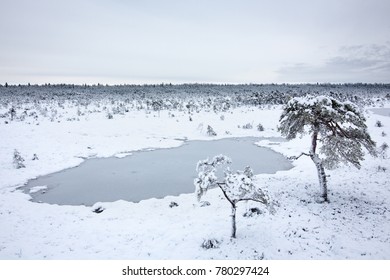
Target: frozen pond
{"points": [[381, 111], [148, 174]]}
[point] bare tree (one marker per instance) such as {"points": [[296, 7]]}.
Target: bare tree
{"points": [[339, 128]]}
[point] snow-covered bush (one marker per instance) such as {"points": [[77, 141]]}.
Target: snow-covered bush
{"points": [[247, 126], [210, 244], [109, 116], [260, 127], [210, 131], [12, 113], [173, 204], [18, 160], [98, 209], [381, 168], [383, 150], [235, 187], [378, 124], [253, 211], [204, 203]]}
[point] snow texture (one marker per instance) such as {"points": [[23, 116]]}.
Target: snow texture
{"points": [[355, 224]]}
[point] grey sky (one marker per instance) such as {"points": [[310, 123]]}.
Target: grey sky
{"points": [[150, 41]]}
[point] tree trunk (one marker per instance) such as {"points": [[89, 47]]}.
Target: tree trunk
{"points": [[233, 221], [318, 163], [321, 176]]}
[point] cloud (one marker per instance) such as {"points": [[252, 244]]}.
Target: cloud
{"points": [[355, 63]]}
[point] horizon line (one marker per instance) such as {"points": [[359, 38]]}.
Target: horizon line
{"points": [[191, 83]]}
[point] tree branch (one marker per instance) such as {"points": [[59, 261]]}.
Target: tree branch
{"points": [[263, 201], [297, 157], [342, 131], [226, 196]]}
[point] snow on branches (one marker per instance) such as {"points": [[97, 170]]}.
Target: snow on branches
{"points": [[206, 174], [235, 187], [339, 127]]}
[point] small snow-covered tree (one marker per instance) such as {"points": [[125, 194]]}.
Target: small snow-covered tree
{"points": [[235, 187], [383, 150], [339, 127], [18, 160], [247, 126], [260, 127], [12, 113], [109, 116], [210, 131]]}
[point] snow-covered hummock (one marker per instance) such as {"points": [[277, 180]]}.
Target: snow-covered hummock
{"points": [[354, 225], [122, 155], [37, 189]]}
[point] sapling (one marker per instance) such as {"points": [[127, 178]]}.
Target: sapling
{"points": [[260, 127], [210, 131], [18, 160], [247, 126], [235, 187], [378, 124], [383, 150]]}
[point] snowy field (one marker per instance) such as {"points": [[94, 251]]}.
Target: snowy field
{"points": [[63, 132]]}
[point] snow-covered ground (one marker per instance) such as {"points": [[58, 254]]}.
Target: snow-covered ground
{"points": [[354, 225]]}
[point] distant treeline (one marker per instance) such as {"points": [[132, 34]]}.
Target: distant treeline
{"points": [[235, 95]]}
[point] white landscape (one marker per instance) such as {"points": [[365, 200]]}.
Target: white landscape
{"points": [[210, 138], [64, 126]]}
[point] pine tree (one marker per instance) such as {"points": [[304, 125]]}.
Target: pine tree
{"points": [[235, 187], [339, 128]]}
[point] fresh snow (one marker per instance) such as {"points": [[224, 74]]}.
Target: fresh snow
{"points": [[354, 225], [37, 189], [122, 155]]}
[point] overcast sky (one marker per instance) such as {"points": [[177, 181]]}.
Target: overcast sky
{"points": [[179, 41]]}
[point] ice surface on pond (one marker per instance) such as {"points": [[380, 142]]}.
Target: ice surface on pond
{"points": [[150, 174], [381, 111]]}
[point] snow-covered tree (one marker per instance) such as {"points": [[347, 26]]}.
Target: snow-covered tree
{"points": [[12, 113], [235, 187], [383, 150], [339, 128], [210, 131], [18, 160]]}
